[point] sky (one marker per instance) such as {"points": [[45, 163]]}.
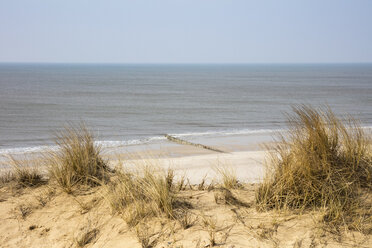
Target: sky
{"points": [[186, 31]]}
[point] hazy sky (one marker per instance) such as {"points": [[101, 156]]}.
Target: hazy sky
{"points": [[186, 31]]}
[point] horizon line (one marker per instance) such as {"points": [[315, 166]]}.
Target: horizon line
{"points": [[188, 63]]}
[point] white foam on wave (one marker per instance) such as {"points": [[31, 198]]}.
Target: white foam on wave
{"points": [[228, 132], [118, 143], [103, 144], [21, 150], [149, 140]]}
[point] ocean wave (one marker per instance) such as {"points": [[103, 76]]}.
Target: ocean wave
{"points": [[21, 150], [118, 143], [102, 143], [228, 132], [149, 140]]}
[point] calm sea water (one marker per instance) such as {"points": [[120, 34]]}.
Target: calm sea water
{"points": [[127, 104]]}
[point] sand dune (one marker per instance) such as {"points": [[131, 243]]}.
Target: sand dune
{"points": [[47, 217]]}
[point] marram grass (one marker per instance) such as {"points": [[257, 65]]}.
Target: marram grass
{"points": [[24, 172], [77, 160], [145, 193], [322, 162]]}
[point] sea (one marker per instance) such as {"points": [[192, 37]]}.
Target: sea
{"points": [[131, 104]]}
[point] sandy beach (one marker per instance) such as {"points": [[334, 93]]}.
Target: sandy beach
{"points": [[248, 165], [48, 217]]}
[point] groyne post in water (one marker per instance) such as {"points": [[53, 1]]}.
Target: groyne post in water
{"points": [[184, 142]]}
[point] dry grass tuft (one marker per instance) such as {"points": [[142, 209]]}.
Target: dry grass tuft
{"points": [[45, 196], [24, 210], [185, 218], [7, 177], [78, 159], [181, 184], [228, 177], [201, 185], [210, 225], [265, 232], [141, 194], [25, 172], [321, 163], [146, 237], [86, 236]]}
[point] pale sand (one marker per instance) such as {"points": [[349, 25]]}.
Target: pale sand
{"points": [[54, 219], [248, 165], [62, 220]]}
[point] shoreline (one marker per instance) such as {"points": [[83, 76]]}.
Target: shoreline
{"points": [[207, 210], [239, 136], [195, 163], [165, 149]]}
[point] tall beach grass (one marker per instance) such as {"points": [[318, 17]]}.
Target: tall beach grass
{"points": [[323, 162], [23, 171], [77, 160], [146, 192]]}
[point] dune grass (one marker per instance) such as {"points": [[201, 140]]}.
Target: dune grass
{"points": [[144, 193], [210, 225], [24, 172], [6, 177], [322, 162], [77, 160], [147, 236], [227, 176], [141, 194], [86, 235]]}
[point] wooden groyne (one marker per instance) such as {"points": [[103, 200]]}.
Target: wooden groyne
{"points": [[184, 142]]}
